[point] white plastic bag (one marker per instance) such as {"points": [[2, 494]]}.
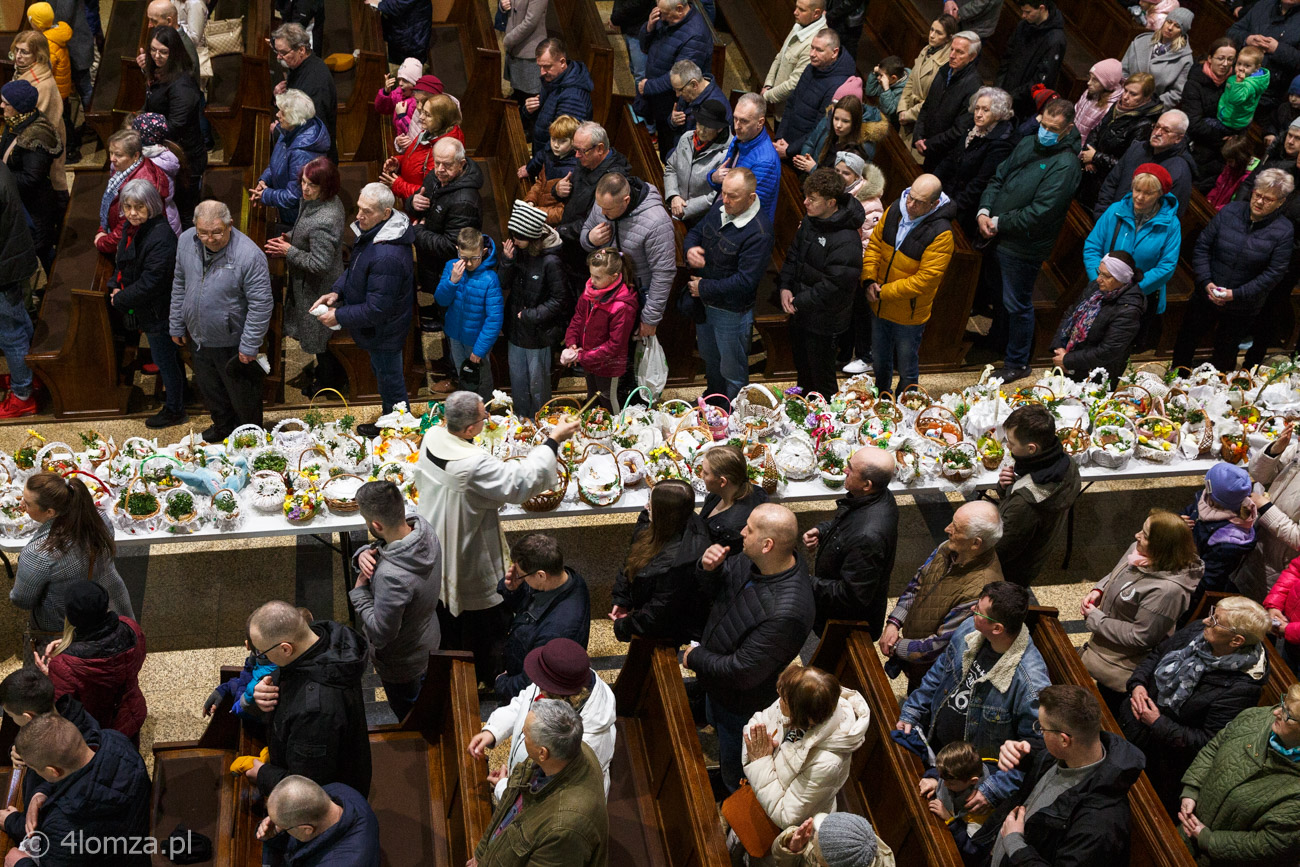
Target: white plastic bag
{"points": [[651, 365]]}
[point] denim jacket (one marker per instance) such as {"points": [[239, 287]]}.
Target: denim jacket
{"points": [[1002, 704]]}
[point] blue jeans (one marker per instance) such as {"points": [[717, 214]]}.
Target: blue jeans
{"points": [[16, 339], [635, 57], [402, 696], [1018, 276], [168, 358], [389, 375], [530, 379], [459, 353], [731, 729], [893, 343], [724, 345]]}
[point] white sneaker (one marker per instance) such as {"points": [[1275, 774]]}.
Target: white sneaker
{"points": [[856, 366]]}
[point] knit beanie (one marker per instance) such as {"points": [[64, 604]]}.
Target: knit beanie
{"points": [[429, 84], [86, 605], [1295, 85], [846, 840], [1110, 72], [1182, 16], [1161, 174], [20, 94], [410, 70], [41, 15], [852, 86], [1041, 94], [527, 221], [151, 126], [1229, 485]]}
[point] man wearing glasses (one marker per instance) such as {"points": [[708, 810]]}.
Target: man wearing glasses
{"points": [[983, 688], [308, 73], [1073, 802], [1167, 148]]}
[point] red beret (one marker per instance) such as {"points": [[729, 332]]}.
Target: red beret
{"points": [[1161, 173]]}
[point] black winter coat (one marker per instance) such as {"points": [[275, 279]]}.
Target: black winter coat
{"points": [[1201, 103], [565, 613], [107, 798], [946, 101], [72, 711], [1119, 180], [452, 207], [724, 528], [582, 195], [569, 94], [318, 728], [1245, 256], [33, 151], [1033, 56], [17, 251], [180, 102], [1110, 336], [314, 78], [539, 301], [1221, 553], [810, 98], [823, 268], [757, 624], [629, 15], [1087, 826], [855, 557], [1110, 140], [1270, 18], [311, 15], [408, 28], [661, 598], [143, 270], [966, 169]]}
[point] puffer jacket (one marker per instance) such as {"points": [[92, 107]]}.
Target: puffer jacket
{"points": [[811, 854], [352, 840], [711, 91], [601, 329], [598, 714], [1111, 140], [170, 165], [1154, 246], [887, 99], [735, 258], [58, 37], [807, 104], [1277, 530], [452, 206], [966, 167], [550, 169], [1138, 609], [1246, 794], [143, 269], [660, 597], [582, 196], [1285, 597], [293, 149], [539, 302], [937, 600], [1030, 194], [475, 307], [1002, 702], [926, 66], [823, 268], [801, 778], [102, 672], [148, 171], [756, 625], [645, 235], [1033, 515], [1272, 19], [788, 65], [227, 304], [876, 130], [415, 164], [686, 174], [400, 107], [1119, 181], [855, 557], [1109, 337], [408, 28], [377, 291], [909, 274], [947, 100], [1221, 544], [569, 94], [17, 253], [1242, 254], [1033, 56], [760, 157], [562, 613], [688, 39], [1170, 69]]}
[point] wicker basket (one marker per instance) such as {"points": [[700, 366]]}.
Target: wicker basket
{"points": [[885, 407], [301, 506], [671, 414], [1105, 456], [1075, 440], [796, 458], [939, 424], [136, 524], [990, 458], [956, 473], [1233, 449], [56, 457], [595, 433], [714, 417], [1031, 394], [610, 497], [292, 435], [556, 407], [549, 500], [688, 439], [299, 478], [100, 491], [914, 398], [1147, 450], [344, 455], [222, 520], [669, 455], [138, 448], [160, 487], [187, 523], [267, 490], [757, 400], [631, 466], [341, 504]]}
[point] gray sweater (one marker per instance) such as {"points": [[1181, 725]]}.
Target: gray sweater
{"points": [[645, 235], [43, 576], [228, 303], [396, 609]]}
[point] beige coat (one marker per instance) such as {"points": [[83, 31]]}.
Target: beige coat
{"points": [[50, 104], [924, 69], [789, 63], [1278, 529], [461, 501], [811, 854]]}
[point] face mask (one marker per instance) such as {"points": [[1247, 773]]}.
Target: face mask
{"points": [[1046, 137]]}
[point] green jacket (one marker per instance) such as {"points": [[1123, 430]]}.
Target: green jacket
{"points": [[563, 825], [1030, 194], [1240, 99], [1247, 795]]}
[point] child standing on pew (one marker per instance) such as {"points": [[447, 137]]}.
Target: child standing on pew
{"points": [[397, 96], [958, 770], [550, 164], [602, 325], [1243, 91]]}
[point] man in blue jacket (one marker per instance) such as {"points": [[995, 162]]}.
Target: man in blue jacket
{"points": [[566, 89], [728, 251], [673, 32], [373, 298], [751, 148], [313, 826], [829, 68]]}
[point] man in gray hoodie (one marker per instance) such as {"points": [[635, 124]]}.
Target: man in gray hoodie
{"points": [[221, 304], [396, 594]]}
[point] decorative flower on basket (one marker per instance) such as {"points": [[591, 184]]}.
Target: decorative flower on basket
{"points": [[270, 461], [14, 520], [399, 474], [267, 490], [663, 463], [831, 466], [1157, 439], [181, 512], [340, 493], [400, 420], [302, 506], [138, 509], [957, 462], [225, 510], [990, 450], [95, 447], [411, 491], [392, 447], [494, 437]]}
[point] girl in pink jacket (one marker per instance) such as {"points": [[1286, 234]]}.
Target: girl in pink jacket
{"points": [[602, 325]]}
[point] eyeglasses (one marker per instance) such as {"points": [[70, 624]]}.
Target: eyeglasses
{"points": [[583, 151], [1286, 714], [983, 616], [1262, 197], [1214, 621], [1038, 729], [261, 657]]}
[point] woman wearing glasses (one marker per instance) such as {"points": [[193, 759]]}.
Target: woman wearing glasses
{"points": [[1241, 796], [1136, 606], [1192, 685]]}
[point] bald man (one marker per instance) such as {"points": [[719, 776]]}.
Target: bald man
{"points": [[939, 597], [162, 13], [312, 705], [760, 617], [855, 548], [308, 825]]}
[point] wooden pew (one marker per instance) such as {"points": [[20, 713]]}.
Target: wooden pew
{"points": [[239, 85], [1106, 28], [117, 66], [351, 26], [1155, 841], [758, 29], [883, 775], [431, 798], [1212, 21], [719, 69], [1280, 675], [584, 34], [464, 53], [661, 809]]}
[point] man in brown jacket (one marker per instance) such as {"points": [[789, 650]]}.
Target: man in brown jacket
{"points": [[939, 597]]}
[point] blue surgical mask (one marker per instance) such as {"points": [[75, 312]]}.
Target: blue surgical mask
{"points": [[1046, 137]]}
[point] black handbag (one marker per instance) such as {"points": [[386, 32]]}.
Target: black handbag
{"points": [[470, 375]]}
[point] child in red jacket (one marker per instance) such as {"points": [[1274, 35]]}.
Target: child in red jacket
{"points": [[1283, 604], [602, 325]]}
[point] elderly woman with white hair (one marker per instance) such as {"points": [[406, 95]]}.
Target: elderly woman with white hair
{"points": [[969, 153], [1239, 258], [300, 137], [141, 289]]}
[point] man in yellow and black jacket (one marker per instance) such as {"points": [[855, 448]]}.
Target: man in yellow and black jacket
{"points": [[906, 258]]}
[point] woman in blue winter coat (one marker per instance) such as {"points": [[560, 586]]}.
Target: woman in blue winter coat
{"points": [[1145, 225], [471, 292], [300, 138]]}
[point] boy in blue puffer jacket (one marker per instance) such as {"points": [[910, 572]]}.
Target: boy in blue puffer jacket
{"points": [[471, 292]]}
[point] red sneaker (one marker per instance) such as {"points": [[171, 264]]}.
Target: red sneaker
{"points": [[15, 407]]}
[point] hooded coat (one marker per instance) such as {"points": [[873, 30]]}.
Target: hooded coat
{"points": [[30, 156], [149, 171], [293, 149], [103, 673], [1033, 515], [876, 128], [1033, 56], [1109, 337], [453, 206], [659, 598], [806, 105], [536, 619], [909, 273], [377, 291], [687, 172], [1030, 194], [1138, 609], [1169, 69], [475, 307], [318, 728], [601, 329], [801, 778], [1154, 245], [352, 841], [397, 609], [644, 234], [539, 302], [569, 94], [823, 268], [146, 259]]}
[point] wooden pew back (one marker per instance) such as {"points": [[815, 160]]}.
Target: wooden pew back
{"points": [[585, 36], [482, 65], [357, 122], [759, 29]]}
